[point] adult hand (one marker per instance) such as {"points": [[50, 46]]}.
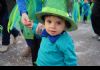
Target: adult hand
{"points": [[26, 21]]}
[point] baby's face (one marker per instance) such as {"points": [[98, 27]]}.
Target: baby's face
{"points": [[54, 25]]}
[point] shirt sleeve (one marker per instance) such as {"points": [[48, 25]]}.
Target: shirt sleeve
{"points": [[34, 30], [21, 6]]}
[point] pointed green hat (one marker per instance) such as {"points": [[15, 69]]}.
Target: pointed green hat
{"points": [[56, 8]]}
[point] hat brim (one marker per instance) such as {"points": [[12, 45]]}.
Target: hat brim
{"points": [[57, 13]]}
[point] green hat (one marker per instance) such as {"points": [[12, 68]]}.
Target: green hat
{"points": [[56, 8]]}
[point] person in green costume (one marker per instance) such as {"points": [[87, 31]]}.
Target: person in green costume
{"points": [[85, 11], [27, 10]]}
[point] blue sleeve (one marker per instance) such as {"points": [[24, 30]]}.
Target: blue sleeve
{"points": [[21, 6]]}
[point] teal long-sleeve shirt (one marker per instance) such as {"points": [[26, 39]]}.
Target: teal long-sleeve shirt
{"points": [[60, 53]]}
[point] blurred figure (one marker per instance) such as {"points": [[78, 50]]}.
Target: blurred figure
{"points": [[27, 9], [76, 11], [4, 17], [90, 2], [85, 10], [95, 18], [81, 4]]}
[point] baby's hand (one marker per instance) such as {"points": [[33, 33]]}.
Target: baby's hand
{"points": [[39, 28]]}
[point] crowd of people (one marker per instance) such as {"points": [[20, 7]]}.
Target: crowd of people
{"points": [[44, 23]]}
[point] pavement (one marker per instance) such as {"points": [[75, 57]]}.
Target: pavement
{"points": [[87, 49], [13, 56]]}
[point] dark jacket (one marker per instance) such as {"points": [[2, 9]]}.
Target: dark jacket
{"points": [[96, 8], [3, 7]]}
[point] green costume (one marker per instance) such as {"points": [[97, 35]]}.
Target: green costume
{"points": [[14, 20], [86, 10], [76, 11]]}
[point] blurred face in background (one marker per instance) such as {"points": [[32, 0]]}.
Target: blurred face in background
{"points": [[86, 1]]}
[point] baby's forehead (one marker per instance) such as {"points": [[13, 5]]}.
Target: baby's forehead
{"points": [[54, 16]]}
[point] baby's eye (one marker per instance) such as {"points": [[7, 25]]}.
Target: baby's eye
{"points": [[58, 22], [49, 21]]}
